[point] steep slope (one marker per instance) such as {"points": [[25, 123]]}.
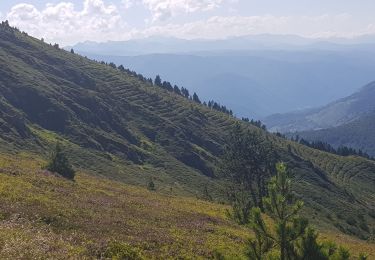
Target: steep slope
{"points": [[358, 134], [43, 216], [335, 114], [116, 125]]}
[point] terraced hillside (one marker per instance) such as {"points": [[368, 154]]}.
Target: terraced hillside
{"points": [[115, 125]]}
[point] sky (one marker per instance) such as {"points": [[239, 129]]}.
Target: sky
{"points": [[70, 21]]}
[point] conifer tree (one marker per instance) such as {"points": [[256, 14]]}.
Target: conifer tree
{"points": [[281, 207], [157, 81], [151, 186], [59, 164], [249, 161], [177, 90], [121, 68], [196, 98], [289, 234]]}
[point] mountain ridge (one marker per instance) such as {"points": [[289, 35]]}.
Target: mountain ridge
{"points": [[169, 44], [342, 111], [357, 134]]}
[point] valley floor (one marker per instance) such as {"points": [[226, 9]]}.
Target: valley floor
{"points": [[46, 216]]}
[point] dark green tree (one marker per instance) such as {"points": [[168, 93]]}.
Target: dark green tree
{"points": [[289, 234], [196, 98], [157, 81], [151, 186], [248, 160], [59, 164], [287, 228], [185, 92], [121, 68], [241, 206], [177, 90], [167, 85]]}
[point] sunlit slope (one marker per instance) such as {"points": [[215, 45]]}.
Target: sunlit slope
{"points": [[116, 125], [46, 216]]}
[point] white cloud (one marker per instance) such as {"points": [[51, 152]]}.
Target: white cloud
{"points": [[128, 3], [98, 21], [226, 26], [164, 9], [62, 23]]}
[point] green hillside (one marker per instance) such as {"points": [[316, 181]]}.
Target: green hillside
{"points": [[117, 126], [358, 134]]}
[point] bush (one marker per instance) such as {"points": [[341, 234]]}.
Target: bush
{"points": [[351, 221], [123, 251], [151, 186], [60, 164], [371, 213], [364, 226]]}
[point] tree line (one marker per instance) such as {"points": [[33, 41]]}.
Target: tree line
{"points": [[326, 147], [256, 123], [166, 85]]}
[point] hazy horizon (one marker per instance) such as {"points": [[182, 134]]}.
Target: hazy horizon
{"points": [[72, 21]]}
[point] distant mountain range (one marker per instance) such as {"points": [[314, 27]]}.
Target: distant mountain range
{"points": [[348, 121], [255, 75], [163, 45], [259, 83]]}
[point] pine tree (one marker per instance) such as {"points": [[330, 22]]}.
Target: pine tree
{"points": [[289, 234], [281, 207], [157, 81], [121, 68], [249, 161], [60, 164], [196, 98], [185, 92], [151, 186], [177, 90]]}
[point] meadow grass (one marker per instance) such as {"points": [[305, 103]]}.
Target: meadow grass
{"points": [[45, 216]]}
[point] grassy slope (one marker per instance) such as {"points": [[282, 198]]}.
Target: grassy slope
{"points": [[117, 126], [42, 215], [110, 117]]}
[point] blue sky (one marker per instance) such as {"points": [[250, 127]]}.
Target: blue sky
{"points": [[71, 21]]}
